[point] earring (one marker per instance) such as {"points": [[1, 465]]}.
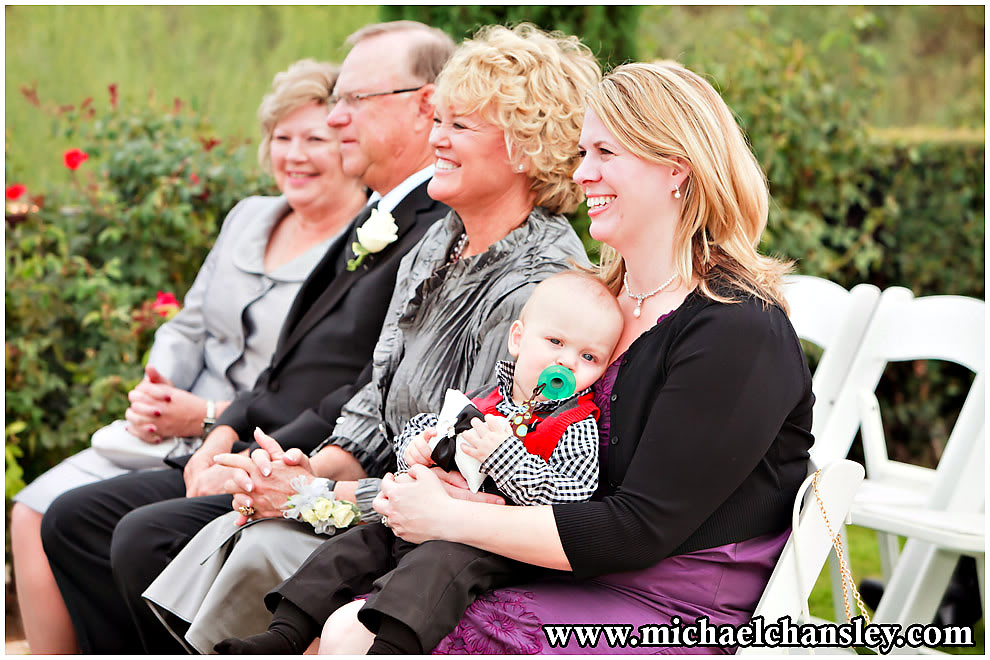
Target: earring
{"points": [[677, 192], [519, 168]]}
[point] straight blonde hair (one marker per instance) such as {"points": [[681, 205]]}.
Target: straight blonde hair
{"points": [[661, 112]]}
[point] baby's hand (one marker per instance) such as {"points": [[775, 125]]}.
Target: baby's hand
{"points": [[418, 451], [484, 437]]}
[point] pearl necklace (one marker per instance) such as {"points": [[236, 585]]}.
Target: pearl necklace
{"points": [[640, 297], [455, 254]]}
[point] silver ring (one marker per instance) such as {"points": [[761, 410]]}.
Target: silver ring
{"points": [[385, 520]]}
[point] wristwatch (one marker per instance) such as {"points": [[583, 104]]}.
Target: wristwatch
{"points": [[211, 417]]}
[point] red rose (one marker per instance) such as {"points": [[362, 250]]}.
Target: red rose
{"points": [[165, 305], [194, 179], [73, 158], [208, 144], [14, 191], [113, 95]]}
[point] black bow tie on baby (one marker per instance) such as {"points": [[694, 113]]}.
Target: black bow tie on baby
{"points": [[443, 453]]}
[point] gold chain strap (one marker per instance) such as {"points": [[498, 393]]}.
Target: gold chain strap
{"points": [[847, 580]]}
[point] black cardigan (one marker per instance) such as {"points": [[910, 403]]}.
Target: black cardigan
{"points": [[710, 431]]}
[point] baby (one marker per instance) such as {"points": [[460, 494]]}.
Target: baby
{"points": [[418, 593]]}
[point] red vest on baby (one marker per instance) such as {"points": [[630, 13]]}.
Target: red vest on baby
{"points": [[546, 431]]}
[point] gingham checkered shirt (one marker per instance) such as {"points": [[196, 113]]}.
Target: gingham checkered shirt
{"points": [[571, 474]]}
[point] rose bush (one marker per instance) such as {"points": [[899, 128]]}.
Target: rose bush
{"points": [[84, 261]]}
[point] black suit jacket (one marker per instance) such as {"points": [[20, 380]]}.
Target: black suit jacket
{"points": [[323, 355]]}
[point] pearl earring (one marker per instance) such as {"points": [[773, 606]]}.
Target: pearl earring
{"points": [[677, 192]]}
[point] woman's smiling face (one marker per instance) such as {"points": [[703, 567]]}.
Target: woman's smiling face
{"points": [[623, 190], [305, 158], [472, 164]]}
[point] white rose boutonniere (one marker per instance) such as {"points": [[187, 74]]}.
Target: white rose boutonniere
{"points": [[373, 236]]}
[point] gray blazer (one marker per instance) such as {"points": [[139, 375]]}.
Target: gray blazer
{"points": [[231, 317]]}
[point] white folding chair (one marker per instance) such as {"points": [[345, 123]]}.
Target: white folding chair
{"points": [[810, 542], [940, 510], [825, 314]]}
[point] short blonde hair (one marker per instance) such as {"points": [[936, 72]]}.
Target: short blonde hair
{"points": [[661, 112], [583, 278], [429, 51], [530, 84], [304, 82]]}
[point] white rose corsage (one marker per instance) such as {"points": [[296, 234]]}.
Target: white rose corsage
{"points": [[373, 236], [315, 503]]}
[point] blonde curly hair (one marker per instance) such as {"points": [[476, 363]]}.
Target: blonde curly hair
{"points": [[304, 82], [531, 84]]}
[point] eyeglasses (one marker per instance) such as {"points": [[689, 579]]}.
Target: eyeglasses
{"points": [[352, 99]]}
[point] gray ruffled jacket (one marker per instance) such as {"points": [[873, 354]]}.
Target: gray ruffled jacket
{"points": [[447, 326]]}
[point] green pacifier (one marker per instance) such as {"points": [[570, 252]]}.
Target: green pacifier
{"points": [[558, 382]]}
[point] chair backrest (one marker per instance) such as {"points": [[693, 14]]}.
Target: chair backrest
{"points": [[806, 550], [833, 319], [903, 328]]}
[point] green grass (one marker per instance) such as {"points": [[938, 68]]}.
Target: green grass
{"points": [[219, 59], [222, 59], [864, 561]]}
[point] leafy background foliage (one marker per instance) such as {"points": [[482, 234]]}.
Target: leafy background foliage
{"points": [[82, 271]]}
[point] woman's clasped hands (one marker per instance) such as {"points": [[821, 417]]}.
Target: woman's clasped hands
{"points": [[159, 410], [261, 481]]}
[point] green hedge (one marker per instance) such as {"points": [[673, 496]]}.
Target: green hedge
{"points": [[609, 30]]}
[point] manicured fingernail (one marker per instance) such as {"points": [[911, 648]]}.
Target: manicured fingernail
{"points": [[158, 413], [249, 487], [266, 471], [168, 398], [150, 429]]}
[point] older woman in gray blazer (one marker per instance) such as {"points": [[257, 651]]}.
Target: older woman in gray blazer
{"points": [[225, 333]]}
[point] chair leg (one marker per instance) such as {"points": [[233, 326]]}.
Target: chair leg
{"points": [[917, 584], [981, 567], [838, 604], [889, 551]]}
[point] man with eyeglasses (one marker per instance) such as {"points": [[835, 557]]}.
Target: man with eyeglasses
{"points": [[107, 542]]}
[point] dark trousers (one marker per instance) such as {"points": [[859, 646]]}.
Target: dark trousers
{"points": [[106, 542], [427, 586]]}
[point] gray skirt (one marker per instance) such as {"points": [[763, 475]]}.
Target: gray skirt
{"points": [[89, 466], [217, 583]]}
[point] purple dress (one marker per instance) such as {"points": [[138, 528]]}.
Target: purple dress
{"points": [[723, 584]]}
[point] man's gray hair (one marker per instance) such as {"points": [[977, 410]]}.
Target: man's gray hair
{"points": [[428, 53]]}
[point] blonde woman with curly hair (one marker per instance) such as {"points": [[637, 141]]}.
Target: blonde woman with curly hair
{"points": [[706, 407], [225, 334], [506, 117]]}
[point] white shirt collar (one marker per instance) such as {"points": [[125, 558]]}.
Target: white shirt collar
{"points": [[392, 198]]}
